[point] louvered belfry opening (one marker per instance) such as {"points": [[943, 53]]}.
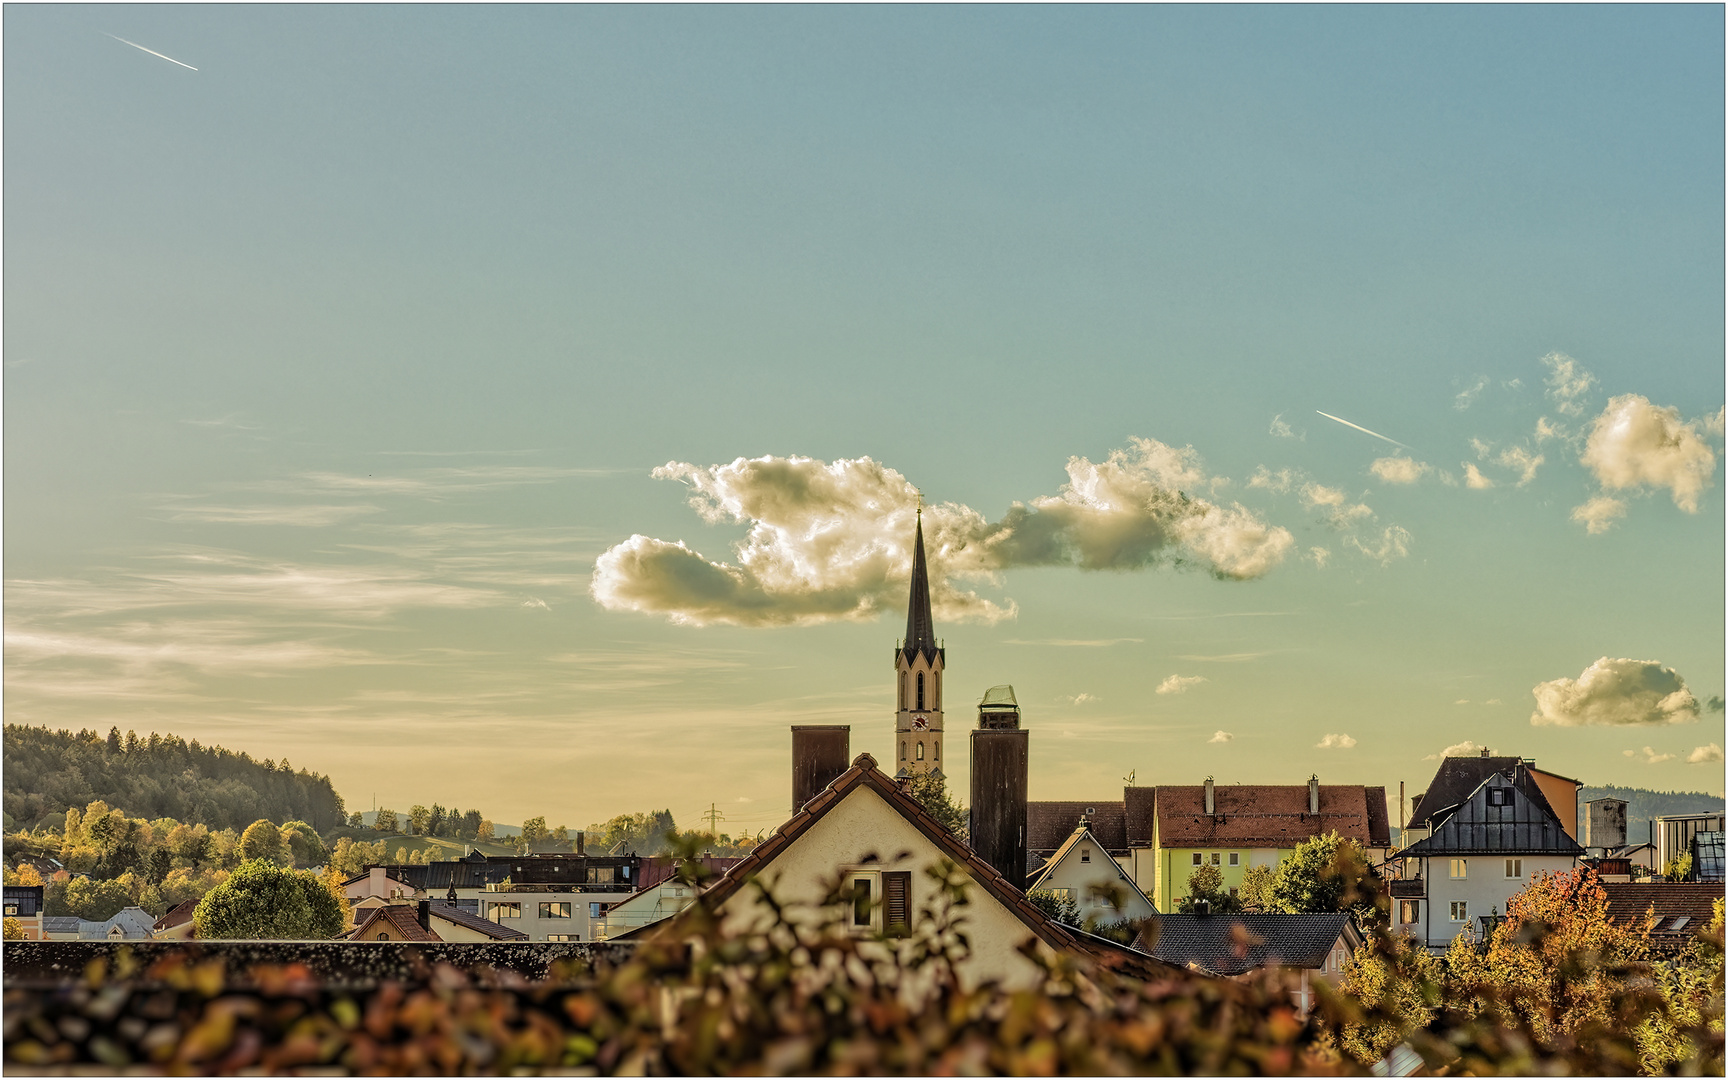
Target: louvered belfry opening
{"points": [[820, 752]]}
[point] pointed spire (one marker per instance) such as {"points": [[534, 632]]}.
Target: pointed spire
{"points": [[920, 627]]}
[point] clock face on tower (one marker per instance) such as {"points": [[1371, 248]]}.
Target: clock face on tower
{"points": [[920, 723]]}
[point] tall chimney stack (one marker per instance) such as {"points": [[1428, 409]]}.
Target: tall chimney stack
{"points": [[1314, 794], [581, 839], [820, 752], [1211, 803], [1000, 753]]}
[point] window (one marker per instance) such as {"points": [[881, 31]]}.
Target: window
{"points": [[563, 937], [1460, 911], [595, 910], [902, 689], [559, 910], [936, 691], [920, 691], [936, 751], [1514, 868], [1215, 858], [1085, 854], [920, 751], [1499, 796], [1679, 921], [600, 875], [861, 896], [1459, 868], [1235, 858], [902, 749], [11, 909], [897, 902], [382, 937], [512, 910], [1196, 858], [1409, 911]]}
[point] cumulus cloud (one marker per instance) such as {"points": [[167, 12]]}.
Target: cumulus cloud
{"points": [[1467, 748], [1651, 757], [1469, 395], [1568, 382], [1278, 482], [1394, 543], [1714, 425], [1399, 469], [1179, 684], [1705, 755], [1281, 429], [1599, 514], [831, 540], [1225, 736], [1616, 693], [1319, 556], [1335, 742], [1473, 477], [1525, 462], [1338, 510], [1546, 430], [1634, 444]]}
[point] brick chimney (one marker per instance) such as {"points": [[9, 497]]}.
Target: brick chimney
{"points": [[820, 753], [1211, 802], [1314, 794]]}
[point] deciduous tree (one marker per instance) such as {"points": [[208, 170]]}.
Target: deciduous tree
{"points": [[262, 840], [261, 900]]}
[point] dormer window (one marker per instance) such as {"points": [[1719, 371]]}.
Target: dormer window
{"points": [[1499, 796]]}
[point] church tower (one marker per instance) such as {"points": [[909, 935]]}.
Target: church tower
{"points": [[918, 675]]}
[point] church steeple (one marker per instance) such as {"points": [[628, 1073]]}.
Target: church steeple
{"points": [[920, 627], [918, 664]]}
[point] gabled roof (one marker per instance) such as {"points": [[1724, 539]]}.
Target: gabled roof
{"points": [[1049, 824], [1269, 815], [132, 922], [452, 914], [1630, 901], [1080, 833], [1456, 778], [1213, 942], [402, 920], [1527, 826], [658, 868], [864, 774], [179, 913]]}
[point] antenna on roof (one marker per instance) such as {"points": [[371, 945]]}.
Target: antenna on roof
{"points": [[1130, 777]]}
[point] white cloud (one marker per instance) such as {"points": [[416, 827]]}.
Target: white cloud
{"points": [[1483, 449], [1466, 398], [1567, 383], [1493, 701], [1283, 430], [536, 602], [1447, 478], [1546, 430], [1705, 755], [1616, 693], [1320, 556], [1714, 425], [1599, 514], [1335, 742], [1462, 701], [1399, 469], [1651, 757], [1319, 495], [1225, 736], [1516, 457], [1179, 684], [1394, 543], [1633, 444], [1473, 477], [831, 541], [1467, 748], [1339, 511], [1082, 699], [1278, 482]]}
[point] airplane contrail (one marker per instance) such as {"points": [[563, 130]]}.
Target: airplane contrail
{"points": [[152, 52], [1360, 428]]}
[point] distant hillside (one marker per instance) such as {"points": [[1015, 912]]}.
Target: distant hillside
{"points": [[47, 772], [1642, 805]]}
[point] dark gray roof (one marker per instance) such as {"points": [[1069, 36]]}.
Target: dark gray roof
{"points": [[1453, 782], [61, 924], [1049, 824], [475, 922], [1525, 826], [920, 627], [27, 897], [1215, 943]]}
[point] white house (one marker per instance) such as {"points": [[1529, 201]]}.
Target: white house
{"points": [[1083, 871], [1478, 854]]}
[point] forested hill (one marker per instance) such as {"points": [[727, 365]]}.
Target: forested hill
{"points": [[47, 772], [1643, 804]]}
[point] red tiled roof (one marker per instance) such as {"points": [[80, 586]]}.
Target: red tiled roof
{"points": [[1268, 815], [1049, 824], [404, 923], [1630, 901]]}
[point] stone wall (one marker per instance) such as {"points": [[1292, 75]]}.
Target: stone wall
{"points": [[353, 964]]}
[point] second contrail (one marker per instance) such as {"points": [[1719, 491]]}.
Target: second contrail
{"points": [[1360, 428], [152, 52]]}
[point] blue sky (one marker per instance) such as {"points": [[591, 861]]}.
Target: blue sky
{"points": [[335, 365]]}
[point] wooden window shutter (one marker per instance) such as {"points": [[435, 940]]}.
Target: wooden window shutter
{"points": [[896, 899]]}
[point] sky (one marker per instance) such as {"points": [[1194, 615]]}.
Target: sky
{"points": [[526, 408]]}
